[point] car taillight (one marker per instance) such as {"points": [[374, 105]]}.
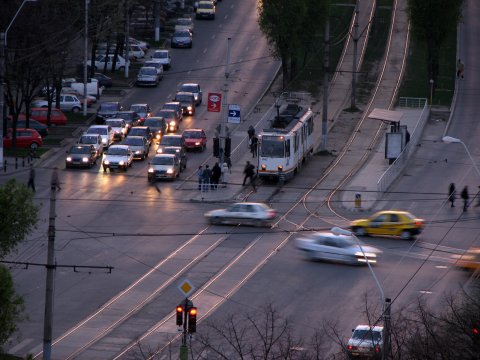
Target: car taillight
{"points": [[377, 349], [272, 213], [351, 347]]}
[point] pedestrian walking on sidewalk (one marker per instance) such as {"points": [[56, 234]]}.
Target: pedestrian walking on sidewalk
{"points": [[249, 172], [55, 179], [200, 177], [465, 198], [216, 174], [229, 164], [225, 172], [250, 132], [254, 146], [207, 175], [460, 69], [452, 194], [31, 178]]}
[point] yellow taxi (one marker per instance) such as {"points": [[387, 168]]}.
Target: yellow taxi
{"points": [[389, 223], [470, 261]]}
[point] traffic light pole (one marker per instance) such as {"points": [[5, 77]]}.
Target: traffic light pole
{"points": [[189, 325], [223, 122]]}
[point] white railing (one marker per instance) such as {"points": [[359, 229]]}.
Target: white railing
{"points": [[394, 170], [410, 102]]}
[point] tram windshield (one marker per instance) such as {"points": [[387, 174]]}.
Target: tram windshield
{"points": [[273, 146]]}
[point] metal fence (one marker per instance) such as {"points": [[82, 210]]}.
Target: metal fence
{"points": [[410, 102], [394, 170]]}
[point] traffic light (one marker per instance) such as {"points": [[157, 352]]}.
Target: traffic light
{"points": [[192, 320], [228, 146], [179, 315], [216, 147]]}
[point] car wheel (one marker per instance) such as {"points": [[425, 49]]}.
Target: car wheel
{"points": [[359, 231], [215, 220], [76, 109], [121, 68], [406, 235]]}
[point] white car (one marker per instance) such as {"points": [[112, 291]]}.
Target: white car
{"points": [[164, 166], [163, 57], [92, 139], [195, 89], [366, 341], [337, 245], [101, 59], [247, 213], [105, 131], [157, 65], [118, 157], [119, 127]]}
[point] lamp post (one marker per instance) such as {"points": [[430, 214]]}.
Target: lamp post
{"points": [[3, 46], [450, 139]]}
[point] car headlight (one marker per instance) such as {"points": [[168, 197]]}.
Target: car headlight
{"points": [[159, 151], [121, 162], [158, 136], [170, 171], [104, 141], [172, 123], [151, 170], [138, 152], [197, 143], [69, 158], [189, 108], [106, 162], [85, 159]]}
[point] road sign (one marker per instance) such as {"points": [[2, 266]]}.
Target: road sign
{"points": [[214, 102], [186, 287], [234, 114]]}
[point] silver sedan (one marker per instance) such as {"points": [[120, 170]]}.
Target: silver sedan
{"points": [[257, 214]]}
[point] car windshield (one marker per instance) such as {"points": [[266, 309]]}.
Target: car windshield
{"points": [[153, 64], [172, 141], [124, 115], [108, 107], [137, 131], [181, 34], [160, 55], [101, 131], [192, 135], [171, 106], [367, 335], [184, 21], [162, 160], [205, 5], [114, 123], [133, 141], [273, 146], [153, 123], [88, 140], [79, 150], [167, 114], [184, 98], [117, 151], [138, 108], [147, 71], [189, 88], [171, 150]]}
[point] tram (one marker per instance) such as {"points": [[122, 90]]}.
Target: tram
{"points": [[286, 145]]}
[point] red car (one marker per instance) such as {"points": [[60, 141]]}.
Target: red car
{"points": [[26, 138], [57, 117], [195, 139]]}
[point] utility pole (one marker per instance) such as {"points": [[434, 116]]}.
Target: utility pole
{"points": [[223, 122], [3, 124], [326, 69], [354, 62], [386, 329], [156, 6], [48, 320], [127, 41], [85, 59]]}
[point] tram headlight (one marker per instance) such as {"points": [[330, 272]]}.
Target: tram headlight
{"points": [[280, 167], [264, 167]]}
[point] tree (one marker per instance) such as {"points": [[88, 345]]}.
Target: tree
{"points": [[11, 309], [432, 22], [18, 215]]}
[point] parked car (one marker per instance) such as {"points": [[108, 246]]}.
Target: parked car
{"points": [[171, 118], [171, 140], [195, 89], [106, 110], [57, 117], [195, 139], [32, 124], [25, 138], [143, 110], [184, 23], [105, 131], [390, 223], [103, 80], [103, 60], [92, 139], [68, 102], [163, 57], [163, 166], [138, 145], [176, 150], [181, 39], [187, 100], [205, 10], [366, 341], [142, 131], [158, 125], [119, 127], [131, 118], [147, 76], [158, 67], [335, 245], [118, 157], [174, 105], [81, 156], [143, 44], [248, 213]]}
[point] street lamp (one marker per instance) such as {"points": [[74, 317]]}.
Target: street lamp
{"points": [[3, 46], [450, 139]]}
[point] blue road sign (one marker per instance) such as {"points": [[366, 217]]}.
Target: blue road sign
{"points": [[234, 114]]}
